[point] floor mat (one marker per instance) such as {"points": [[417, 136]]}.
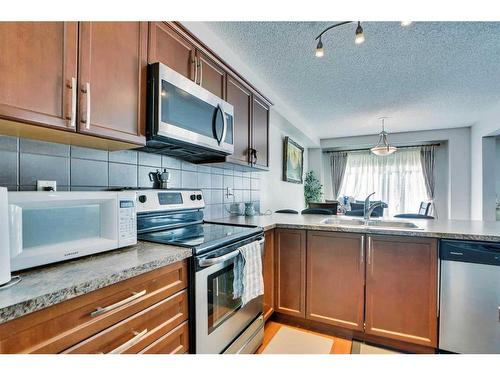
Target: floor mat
{"points": [[362, 348], [293, 341]]}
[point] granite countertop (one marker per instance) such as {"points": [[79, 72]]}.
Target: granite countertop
{"points": [[46, 286], [450, 229]]}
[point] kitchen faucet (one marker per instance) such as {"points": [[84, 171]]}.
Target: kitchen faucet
{"points": [[367, 209]]}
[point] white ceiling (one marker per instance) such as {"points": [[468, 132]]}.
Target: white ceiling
{"points": [[430, 75]]}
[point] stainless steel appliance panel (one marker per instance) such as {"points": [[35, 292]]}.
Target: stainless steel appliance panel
{"points": [[470, 297]]}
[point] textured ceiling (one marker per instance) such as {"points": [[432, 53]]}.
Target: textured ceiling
{"points": [[430, 75]]}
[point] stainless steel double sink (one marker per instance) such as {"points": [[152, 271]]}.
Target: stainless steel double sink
{"points": [[375, 223]]}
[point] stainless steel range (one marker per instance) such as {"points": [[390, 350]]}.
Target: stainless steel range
{"points": [[218, 322]]}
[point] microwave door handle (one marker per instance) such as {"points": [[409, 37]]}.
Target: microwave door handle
{"points": [[224, 125]]}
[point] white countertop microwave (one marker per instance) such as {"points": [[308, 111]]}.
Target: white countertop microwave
{"points": [[48, 227]]}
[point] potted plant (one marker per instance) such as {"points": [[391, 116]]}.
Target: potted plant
{"points": [[313, 189]]}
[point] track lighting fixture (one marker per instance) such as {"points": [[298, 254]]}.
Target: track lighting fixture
{"points": [[358, 39]]}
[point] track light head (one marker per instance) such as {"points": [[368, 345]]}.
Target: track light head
{"points": [[360, 37], [319, 49]]}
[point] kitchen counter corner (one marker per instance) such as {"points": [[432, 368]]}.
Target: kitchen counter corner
{"points": [[46, 286]]}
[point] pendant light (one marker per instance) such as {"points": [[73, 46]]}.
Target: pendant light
{"points": [[383, 148]]}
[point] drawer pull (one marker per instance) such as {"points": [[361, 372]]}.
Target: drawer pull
{"points": [[127, 345], [102, 310]]}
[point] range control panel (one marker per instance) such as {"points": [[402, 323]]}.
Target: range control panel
{"points": [[169, 200], [127, 223]]}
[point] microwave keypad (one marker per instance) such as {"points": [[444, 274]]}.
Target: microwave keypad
{"points": [[127, 219]]}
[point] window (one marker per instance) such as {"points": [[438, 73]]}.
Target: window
{"points": [[396, 179]]}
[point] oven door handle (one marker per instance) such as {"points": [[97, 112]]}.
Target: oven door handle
{"points": [[233, 254], [211, 261]]}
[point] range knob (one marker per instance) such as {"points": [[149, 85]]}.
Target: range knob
{"points": [[199, 197], [142, 198], [192, 197]]}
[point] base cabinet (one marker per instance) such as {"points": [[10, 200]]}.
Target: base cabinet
{"points": [[290, 275], [401, 289], [335, 279], [381, 288], [147, 313]]}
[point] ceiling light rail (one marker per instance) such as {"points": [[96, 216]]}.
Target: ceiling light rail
{"points": [[359, 36]]}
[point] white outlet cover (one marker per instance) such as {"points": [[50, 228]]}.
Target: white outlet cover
{"points": [[42, 184]]}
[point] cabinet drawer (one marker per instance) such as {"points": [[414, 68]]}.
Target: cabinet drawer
{"points": [[174, 342], [58, 327], [140, 330]]}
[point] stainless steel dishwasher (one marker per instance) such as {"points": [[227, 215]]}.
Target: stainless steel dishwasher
{"points": [[470, 297]]}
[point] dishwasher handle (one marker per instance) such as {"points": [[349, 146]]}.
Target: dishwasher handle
{"points": [[470, 252]]}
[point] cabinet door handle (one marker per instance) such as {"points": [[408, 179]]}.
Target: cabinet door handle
{"points": [[127, 345], [195, 62], [369, 251], [72, 116], [362, 251], [102, 310], [86, 91], [201, 72], [253, 154]]}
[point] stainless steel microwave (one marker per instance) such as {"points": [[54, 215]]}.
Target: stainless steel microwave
{"points": [[185, 120]]}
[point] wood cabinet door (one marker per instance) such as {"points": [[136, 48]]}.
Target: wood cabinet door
{"points": [[335, 279], [211, 75], [167, 46], [268, 273], [401, 289], [38, 72], [112, 80], [290, 277], [260, 132], [240, 97]]}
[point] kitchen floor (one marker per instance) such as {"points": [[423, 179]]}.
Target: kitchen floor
{"points": [[284, 339]]}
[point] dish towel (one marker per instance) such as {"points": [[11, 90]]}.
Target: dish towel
{"points": [[248, 282]]}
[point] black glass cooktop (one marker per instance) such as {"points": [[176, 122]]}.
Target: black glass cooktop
{"points": [[201, 237]]}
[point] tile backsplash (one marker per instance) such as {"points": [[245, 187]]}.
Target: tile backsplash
{"points": [[24, 161]]}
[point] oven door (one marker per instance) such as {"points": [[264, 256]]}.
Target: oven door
{"points": [[220, 319]]}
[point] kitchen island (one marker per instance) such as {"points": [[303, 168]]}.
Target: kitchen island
{"points": [[375, 282]]}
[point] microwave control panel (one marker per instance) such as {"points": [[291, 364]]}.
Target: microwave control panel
{"points": [[127, 223]]}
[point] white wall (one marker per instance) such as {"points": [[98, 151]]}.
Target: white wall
{"points": [[274, 192], [452, 165], [482, 169]]}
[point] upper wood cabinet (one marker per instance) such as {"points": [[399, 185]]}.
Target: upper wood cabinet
{"points": [[210, 75], [401, 289], [290, 278], [335, 278], [112, 79], [38, 72], [167, 46], [240, 96], [260, 133], [268, 274]]}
